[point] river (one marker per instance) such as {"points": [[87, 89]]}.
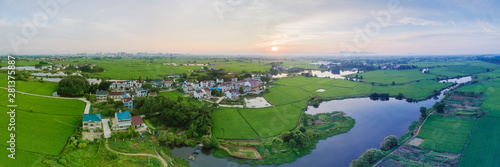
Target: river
{"points": [[374, 121]]}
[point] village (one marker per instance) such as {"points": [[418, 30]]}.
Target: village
{"points": [[125, 91]]}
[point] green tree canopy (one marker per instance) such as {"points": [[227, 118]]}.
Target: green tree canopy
{"points": [[73, 86]]}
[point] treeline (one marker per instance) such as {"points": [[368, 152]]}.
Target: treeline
{"points": [[89, 69], [196, 120], [371, 156], [75, 85], [381, 96]]}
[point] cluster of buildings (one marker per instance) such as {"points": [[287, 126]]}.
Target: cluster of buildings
{"points": [[136, 84], [120, 122], [230, 89], [60, 66]]}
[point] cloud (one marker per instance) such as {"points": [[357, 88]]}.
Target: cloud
{"points": [[419, 22]]}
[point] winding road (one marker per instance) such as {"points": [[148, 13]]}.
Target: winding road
{"points": [[87, 106], [86, 111], [163, 161]]}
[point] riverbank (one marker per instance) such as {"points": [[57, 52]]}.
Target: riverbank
{"points": [[289, 146]]}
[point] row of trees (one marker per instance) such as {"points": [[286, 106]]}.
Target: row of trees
{"points": [[75, 85]]}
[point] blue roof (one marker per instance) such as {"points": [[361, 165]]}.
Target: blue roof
{"points": [[91, 117], [123, 115], [218, 89]]}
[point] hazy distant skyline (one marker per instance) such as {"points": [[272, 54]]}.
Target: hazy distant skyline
{"points": [[254, 26]]}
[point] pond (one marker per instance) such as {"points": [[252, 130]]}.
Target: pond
{"points": [[374, 121], [27, 68], [91, 80], [60, 73]]}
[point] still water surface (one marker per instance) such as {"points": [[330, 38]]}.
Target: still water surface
{"points": [[374, 121]]}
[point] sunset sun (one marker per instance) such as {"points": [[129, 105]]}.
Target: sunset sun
{"points": [[274, 48]]}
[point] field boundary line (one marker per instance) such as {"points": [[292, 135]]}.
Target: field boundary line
{"points": [[466, 141], [357, 84], [251, 127]]}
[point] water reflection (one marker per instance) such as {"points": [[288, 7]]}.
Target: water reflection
{"points": [[374, 121]]}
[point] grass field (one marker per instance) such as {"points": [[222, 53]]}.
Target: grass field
{"points": [[159, 67], [23, 158], [459, 70], [30, 86], [361, 89], [493, 74], [414, 90], [229, 124], [47, 128], [483, 148], [398, 76], [333, 87], [481, 86], [171, 94], [281, 95], [268, 122], [457, 62], [490, 102], [445, 134]]}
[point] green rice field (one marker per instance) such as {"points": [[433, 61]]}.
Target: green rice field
{"points": [[490, 102], [445, 134], [483, 148], [43, 126], [398, 76], [281, 95], [229, 124], [416, 90]]}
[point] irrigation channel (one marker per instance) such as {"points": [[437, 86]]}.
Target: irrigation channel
{"points": [[374, 121]]}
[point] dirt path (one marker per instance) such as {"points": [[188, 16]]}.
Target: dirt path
{"points": [[139, 154]]}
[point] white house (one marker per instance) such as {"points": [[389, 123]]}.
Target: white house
{"points": [[122, 120], [91, 122]]}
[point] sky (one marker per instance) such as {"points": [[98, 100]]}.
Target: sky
{"points": [[316, 27]]}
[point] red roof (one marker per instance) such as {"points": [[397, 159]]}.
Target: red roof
{"points": [[137, 120], [116, 93], [152, 93], [127, 99]]}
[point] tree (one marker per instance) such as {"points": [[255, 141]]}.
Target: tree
{"points": [[215, 92], [277, 143], [370, 156], [241, 90], [87, 96], [400, 96], [82, 145], [439, 107], [389, 142], [147, 86], [92, 98], [423, 112], [104, 85], [393, 83], [154, 89], [303, 129], [72, 85]]}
